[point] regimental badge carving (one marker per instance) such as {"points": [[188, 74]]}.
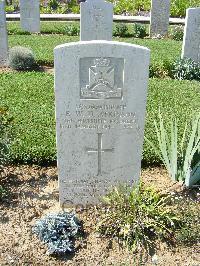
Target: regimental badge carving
{"points": [[103, 78]]}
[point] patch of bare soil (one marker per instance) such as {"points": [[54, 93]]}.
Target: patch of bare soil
{"points": [[33, 193], [48, 69], [6, 70]]}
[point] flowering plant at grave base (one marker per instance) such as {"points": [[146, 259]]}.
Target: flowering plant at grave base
{"points": [[182, 163], [58, 231]]}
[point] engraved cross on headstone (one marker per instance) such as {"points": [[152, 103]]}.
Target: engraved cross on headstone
{"points": [[96, 20], [99, 152]]}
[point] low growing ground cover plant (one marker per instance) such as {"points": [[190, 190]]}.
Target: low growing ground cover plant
{"points": [[73, 30], [189, 210], [21, 58], [186, 68], [58, 231], [139, 30], [177, 32], [137, 216], [182, 160], [121, 30]]}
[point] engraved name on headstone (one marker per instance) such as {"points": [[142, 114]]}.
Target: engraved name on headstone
{"points": [[3, 35], [101, 90], [30, 15], [96, 20], [160, 12], [191, 40]]}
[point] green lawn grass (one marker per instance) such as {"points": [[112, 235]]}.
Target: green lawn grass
{"points": [[43, 45], [29, 97], [161, 50]]}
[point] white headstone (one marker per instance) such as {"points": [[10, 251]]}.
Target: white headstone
{"points": [[101, 90], [3, 35], [191, 41], [30, 15], [96, 20], [160, 12]]}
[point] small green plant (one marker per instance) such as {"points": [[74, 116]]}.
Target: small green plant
{"points": [[72, 30], [3, 192], [121, 30], [74, 6], [10, 9], [21, 58], [186, 69], [182, 164], [58, 231], [53, 4], [168, 66], [177, 33], [189, 232], [139, 30], [137, 216], [159, 71]]}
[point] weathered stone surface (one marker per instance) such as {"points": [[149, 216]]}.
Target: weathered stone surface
{"points": [[160, 12], [3, 35], [30, 15], [191, 41], [96, 20], [101, 90]]}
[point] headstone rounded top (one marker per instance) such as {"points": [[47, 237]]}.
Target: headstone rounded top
{"points": [[193, 8], [103, 43]]}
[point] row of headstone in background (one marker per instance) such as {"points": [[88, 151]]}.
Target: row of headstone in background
{"points": [[92, 17], [101, 89], [191, 40], [30, 15], [160, 13], [3, 35]]}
